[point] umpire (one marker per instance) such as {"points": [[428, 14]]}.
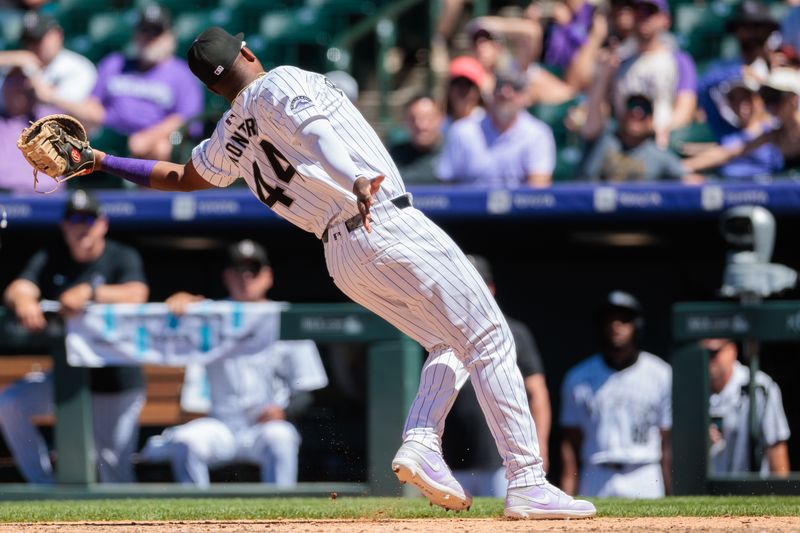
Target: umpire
{"points": [[86, 268]]}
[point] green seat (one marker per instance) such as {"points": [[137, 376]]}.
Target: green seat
{"points": [[74, 15], [696, 132], [296, 37], [187, 26], [177, 7], [10, 28], [567, 161], [111, 31], [701, 29], [246, 14], [553, 116]]}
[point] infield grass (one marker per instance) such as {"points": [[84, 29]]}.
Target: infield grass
{"points": [[363, 508]]}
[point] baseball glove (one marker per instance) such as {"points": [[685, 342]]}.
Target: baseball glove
{"points": [[56, 145]]}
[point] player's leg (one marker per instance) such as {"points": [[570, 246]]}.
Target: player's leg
{"points": [[19, 402], [275, 446], [193, 448], [115, 420]]}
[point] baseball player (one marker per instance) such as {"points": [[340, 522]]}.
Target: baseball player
{"points": [[729, 409], [253, 397], [307, 153], [616, 412]]}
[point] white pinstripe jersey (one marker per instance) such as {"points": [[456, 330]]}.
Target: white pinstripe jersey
{"points": [[259, 140]]}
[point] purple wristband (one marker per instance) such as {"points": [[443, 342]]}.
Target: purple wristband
{"points": [[134, 170]]}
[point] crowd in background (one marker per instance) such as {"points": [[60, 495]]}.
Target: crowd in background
{"points": [[554, 90]]}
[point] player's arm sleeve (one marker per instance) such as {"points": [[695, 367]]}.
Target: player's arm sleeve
{"points": [[528, 358], [319, 138], [33, 269], [211, 163], [773, 422]]}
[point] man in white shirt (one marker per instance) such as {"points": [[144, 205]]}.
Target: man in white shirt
{"points": [[252, 397], [729, 409], [616, 412], [51, 67]]}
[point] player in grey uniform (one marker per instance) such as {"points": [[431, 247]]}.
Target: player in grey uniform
{"points": [[253, 397], [729, 409], [307, 153], [616, 412]]}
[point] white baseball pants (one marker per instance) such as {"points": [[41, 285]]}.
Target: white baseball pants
{"points": [[115, 422], [411, 273], [196, 446]]}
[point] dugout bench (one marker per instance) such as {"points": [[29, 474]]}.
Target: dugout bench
{"points": [[746, 322], [393, 361]]}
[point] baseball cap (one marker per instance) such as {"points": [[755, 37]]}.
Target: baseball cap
{"points": [[639, 101], [786, 80], [751, 13], [467, 67], [35, 25], [81, 201], [481, 264], [153, 20], [661, 5], [247, 252], [212, 54]]}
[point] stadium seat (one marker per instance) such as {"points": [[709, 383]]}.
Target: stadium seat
{"points": [[567, 161], [696, 132], [177, 7], [188, 25], [701, 28], [74, 15], [246, 14], [553, 116], [111, 31], [10, 28]]}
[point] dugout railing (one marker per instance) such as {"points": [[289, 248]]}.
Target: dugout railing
{"points": [[769, 321], [393, 369]]}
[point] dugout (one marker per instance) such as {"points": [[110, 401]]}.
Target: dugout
{"points": [[554, 258]]}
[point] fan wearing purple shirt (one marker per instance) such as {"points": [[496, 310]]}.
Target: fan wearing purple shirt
{"points": [[146, 97], [507, 147]]}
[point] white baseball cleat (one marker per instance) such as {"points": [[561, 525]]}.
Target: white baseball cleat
{"points": [[425, 469], [545, 501]]}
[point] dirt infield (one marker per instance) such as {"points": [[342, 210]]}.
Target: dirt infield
{"points": [[428, 526]]}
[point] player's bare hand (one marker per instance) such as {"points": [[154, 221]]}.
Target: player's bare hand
{"points": [[270, 413], [73, 300], [178, 302], [365, 189], [30, 315]]}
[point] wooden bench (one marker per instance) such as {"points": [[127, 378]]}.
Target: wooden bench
{"points": [[161, 409]]}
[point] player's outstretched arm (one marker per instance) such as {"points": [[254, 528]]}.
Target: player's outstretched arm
{"points": [[159, 175]]}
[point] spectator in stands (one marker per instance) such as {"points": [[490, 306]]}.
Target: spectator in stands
{"points": [[572, 26], [729, 409], [474, 456], [88, 269], [748, 111], [629, 153], [609, 32], [253, 397], [147, 98], [416, 157], [781, 95], [616, 412], [507, 147], [20, 103], [465, 88], [54, 70], [488, 36], [658, 70], [790, 28], [752, 24]]}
